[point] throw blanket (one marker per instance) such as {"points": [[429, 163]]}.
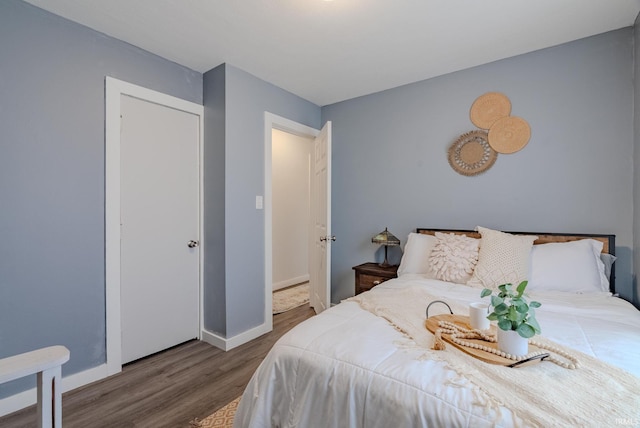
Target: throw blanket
{"points": [[542, 395]]}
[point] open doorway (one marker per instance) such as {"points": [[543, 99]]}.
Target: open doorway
{"points": [[319, 234], [291, 219]]}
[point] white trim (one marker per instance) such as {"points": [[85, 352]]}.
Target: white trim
{"points": [[201, 217], [291, 281], [328, 126], [27, 398], [114, 88], [272, 121], [227, 344]]}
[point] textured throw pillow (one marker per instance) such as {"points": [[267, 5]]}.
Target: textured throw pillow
{"points": [[503, 258], [415, 258], [454, 257]]}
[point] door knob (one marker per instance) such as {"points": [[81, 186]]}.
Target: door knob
{"points": [[327, 238], [193, 244]]}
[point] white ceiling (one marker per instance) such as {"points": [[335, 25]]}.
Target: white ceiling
{"points": [[329, 51]]}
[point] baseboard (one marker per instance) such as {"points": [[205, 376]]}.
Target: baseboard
{"points": [[29, 397], [289, 282], [213, 339], [227, 344]]}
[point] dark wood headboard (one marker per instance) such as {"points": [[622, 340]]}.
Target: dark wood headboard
{"points": [[608, 241]]}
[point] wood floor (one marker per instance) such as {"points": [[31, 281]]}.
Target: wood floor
{"points": [[168, 389]]}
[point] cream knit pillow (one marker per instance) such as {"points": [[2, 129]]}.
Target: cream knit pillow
{"points": [[503, 258], [454, 257]]}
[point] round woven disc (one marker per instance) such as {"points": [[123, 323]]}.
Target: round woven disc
{"points": [[488, 108], [509, 134], [471, 154]]}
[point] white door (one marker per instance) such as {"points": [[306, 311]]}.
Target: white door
{"points": [[159, 217], [320, 297]]}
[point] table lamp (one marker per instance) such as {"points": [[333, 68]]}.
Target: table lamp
{"points": [[387, 239]]}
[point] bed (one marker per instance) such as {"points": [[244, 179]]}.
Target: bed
{"points": [[355, 365]]}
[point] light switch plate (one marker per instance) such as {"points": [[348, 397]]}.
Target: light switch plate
{"points": [[258, 202]]}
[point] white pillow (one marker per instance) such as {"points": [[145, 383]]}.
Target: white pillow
{"points": [[573, 266], [454, 257], [416, 255], [503, 258]]}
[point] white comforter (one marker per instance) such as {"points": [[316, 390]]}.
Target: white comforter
{"points": [[349, 368]]}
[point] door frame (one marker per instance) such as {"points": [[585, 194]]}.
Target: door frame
{"points": [[114, 89], [272, 121]]}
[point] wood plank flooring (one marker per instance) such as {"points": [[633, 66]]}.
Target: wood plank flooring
{"points": [[167, 389]]}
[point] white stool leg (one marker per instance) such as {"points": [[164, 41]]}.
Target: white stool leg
{"points": [[50, 398]]}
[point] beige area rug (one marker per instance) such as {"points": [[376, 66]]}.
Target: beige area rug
{"points": [[223, 418], [289, 298]]}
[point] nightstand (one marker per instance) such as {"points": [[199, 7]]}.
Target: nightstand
{"points": [[368, 275]]}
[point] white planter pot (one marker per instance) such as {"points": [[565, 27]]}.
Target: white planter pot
{"points": [[512, 343]]}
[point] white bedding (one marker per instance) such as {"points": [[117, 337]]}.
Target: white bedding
{"points": [[349, 368]]}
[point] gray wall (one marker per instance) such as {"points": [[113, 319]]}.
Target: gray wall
{"points": [[52, 281], [214, 194], [636, 159], [575, 175], [246, 100]]}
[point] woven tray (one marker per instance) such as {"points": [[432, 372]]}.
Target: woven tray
{"points": [[487, 357]]}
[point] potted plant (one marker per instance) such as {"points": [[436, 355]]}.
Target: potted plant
{"points": [[516, 318]]}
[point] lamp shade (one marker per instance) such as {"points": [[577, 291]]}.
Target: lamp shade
{"points": [[385, 238]]}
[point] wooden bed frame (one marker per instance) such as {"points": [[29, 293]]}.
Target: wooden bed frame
{"points": [[609, 242]]}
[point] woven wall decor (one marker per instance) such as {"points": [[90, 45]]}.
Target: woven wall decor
{"points": [[471, 153], [509, 134], [488, 108]]}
